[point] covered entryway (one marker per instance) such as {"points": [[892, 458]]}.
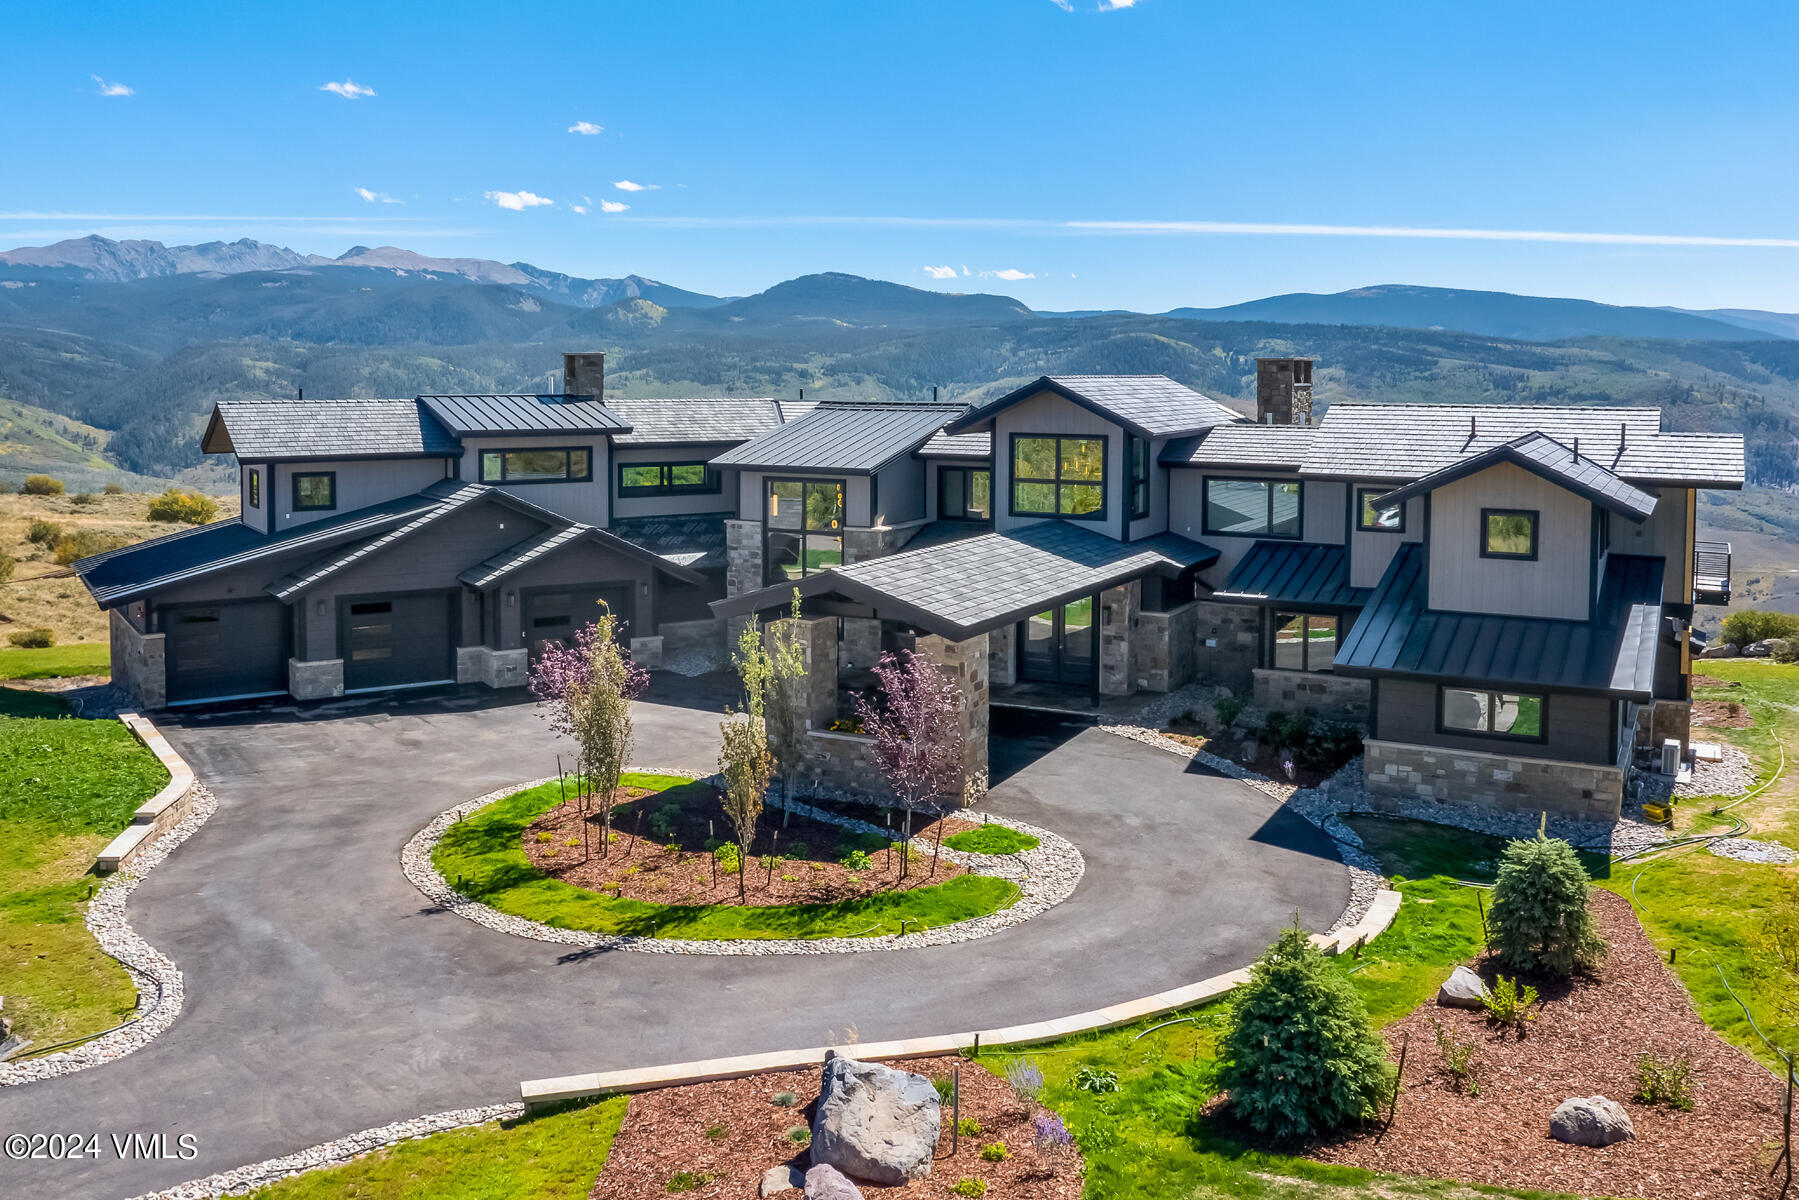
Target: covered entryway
{"points": [[554, 614], [1060, 644], [397, 640], [225, 651]]}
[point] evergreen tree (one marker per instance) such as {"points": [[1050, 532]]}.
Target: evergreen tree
{"points": [[1540, 920]]}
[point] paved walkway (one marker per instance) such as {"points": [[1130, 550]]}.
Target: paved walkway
{"points": [[325, 996]]}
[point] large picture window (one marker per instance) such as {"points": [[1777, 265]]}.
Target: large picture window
{"points": [[1302, 642], [964, 494], [1268, 508], [314, 490], [802, 528], [1139, 456], [666, 479], [1059, 477], [1508, 533], [573, 464], [1373, 518], [1492, 714]]}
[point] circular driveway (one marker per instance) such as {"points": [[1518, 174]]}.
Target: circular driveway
{"points": [[325, 995]]}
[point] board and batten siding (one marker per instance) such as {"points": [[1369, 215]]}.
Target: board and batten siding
{"points": [[855, 493], [1322, 520], [1369, 553], [586, 502], [1580, 727], [360, 483], [1048, 413], [1555, 584], [1666, 534], [581, 566], [722, 501], [256, 516]]}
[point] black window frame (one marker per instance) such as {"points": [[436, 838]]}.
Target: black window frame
{"points": [[1139, 483], [1362, 506], [501, 453], [843, 520], [330, 478], [1278, 618], [1267, 531], [1536, 522], [1102, 513], [1540, 737], [253, 485], [965, 473], [712, 480]]}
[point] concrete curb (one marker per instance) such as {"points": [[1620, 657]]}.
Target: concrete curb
{"points": [[166, 808], [539, 1092]]}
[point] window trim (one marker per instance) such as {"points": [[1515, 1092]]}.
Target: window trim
{"points": [[1361, 509], [843, 521], [1131, 445], [966, 474], [502, 452], [253, 485], [1542, 698], [1205, 508], [330, 478], [712, 485], [1013, 479], [1536, 520]]}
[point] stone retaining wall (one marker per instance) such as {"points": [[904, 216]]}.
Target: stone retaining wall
{"points": [[1317, 693], [1400, 771], [322, 679], [708, 637]]}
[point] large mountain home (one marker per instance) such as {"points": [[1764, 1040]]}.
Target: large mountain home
{"points": [[1500, 595]]}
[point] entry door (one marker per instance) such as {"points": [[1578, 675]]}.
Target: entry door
{"points": [[554, 614], [396, 640], [1060, 645]]}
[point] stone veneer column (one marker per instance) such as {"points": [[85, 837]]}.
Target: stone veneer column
{"points": [[1117, 612], [966, 663], [137, 662], [861, 646], [317, 679], [818, 640], [743, 557], [1232, 628], [1002, 669]]}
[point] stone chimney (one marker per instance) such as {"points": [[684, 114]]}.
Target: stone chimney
{"points": [[584, 375], [1284, 391]]}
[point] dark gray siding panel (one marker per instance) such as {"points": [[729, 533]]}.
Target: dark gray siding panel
{"points": [[1580, 727], [900, 485], [584, 565]]}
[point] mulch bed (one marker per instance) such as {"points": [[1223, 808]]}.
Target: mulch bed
{"points": [[1585, 1042], [1730, 713], [732, 1131], [643, 868], [1267, 763], [1713, 681]]}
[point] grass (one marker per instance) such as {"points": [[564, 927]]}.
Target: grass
{"points": [[991, 839], [482, 857], [69, 786], [82, 658], [556, 1156]]}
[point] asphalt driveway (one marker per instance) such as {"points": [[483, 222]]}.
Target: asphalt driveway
{"points": [[324, 995]]}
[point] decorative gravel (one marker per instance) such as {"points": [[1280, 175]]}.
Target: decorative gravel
{"points": [[157, 979], [1731, 777], [243, 1180], [691, 663], [1753, 850], [1045, 876]]}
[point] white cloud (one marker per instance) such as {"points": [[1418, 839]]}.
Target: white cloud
{"points": [[376, 197], [578, 208], [349, 89], [612, 206], [965, 269], [625, 185], [1115, 5], [519, 201], [110, 89], [587, 128], [1010, 273], [940, 272], [1064, 5]]}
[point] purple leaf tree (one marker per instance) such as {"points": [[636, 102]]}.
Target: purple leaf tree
{"points": [[917, 732]]}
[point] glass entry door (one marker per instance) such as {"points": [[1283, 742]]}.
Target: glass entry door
{"points": [[1060, 645]]}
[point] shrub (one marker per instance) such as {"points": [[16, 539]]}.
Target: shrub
{"points": [[1328, 746], [799, 1135], [43, 533], [797, 851], [856, 860], [687, 1181], [1051, 1135], [1300, 1054], [32, 639], [8, 564], [187, 508], [715, 1132], [1096, 1080], [1508, 1004], [968, 1127], [84, 543], [84, 499], [1026, 1079], [729, 858], [1754, 625], [114, 489], [1458, 1055], [945, 1089], [969, 1187], [665, 820], [1784, 650], [41, 485], [995, 1152], [1539, 920], [1228, 708], [1665, 1081], [785, 1099]]}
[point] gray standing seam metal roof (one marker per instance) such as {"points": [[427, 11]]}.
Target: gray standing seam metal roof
{"points": [[1304, 573], [1541, 455], [966, 587], [1148, 405], [958, 445], [1613, 654], [502, 415], [266, 430], [523, 553], [853, 437], [699, 421], [1243, 444]]}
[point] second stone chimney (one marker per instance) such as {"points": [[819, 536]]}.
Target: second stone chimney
{"points": [[1284, 391], [584, 375]]}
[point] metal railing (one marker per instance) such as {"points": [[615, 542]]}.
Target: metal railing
{"points": [[1711, 572]]}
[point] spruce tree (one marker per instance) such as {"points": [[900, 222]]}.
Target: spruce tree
{"points": [[1540, 920], [1300, 1056]]}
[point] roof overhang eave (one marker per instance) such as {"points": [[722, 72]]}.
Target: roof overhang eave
{"points": [[1635, 692], [986, 412]]}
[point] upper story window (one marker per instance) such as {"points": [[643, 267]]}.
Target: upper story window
{"points": [[1508, 533], [964, 494], [253, 485], [1491, 714], [1139, 456], [1267, 508], [1372, 518], [562, 464], [802, 527], [666, 479], [1059, 477], [314, 490]]}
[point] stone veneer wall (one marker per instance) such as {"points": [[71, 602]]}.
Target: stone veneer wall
{"points": [[323, 678], [1665, 719], [137, 662], [1117, 615], [1002, 667], [1167, 648], [860, 647], [743, 557], [1234, 629], [495, 668], [862, 544], [966, 663], [1403, 771], [1320, 694]]}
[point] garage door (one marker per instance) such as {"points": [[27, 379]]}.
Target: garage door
{"points": [[221, 651], [554, 614], [397, 640]]}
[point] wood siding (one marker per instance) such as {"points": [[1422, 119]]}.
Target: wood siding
{"points": [[360, 483], [1666, 533], [1580, 727], [898, 495], [1554, 584]]}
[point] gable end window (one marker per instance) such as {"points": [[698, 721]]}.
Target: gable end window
{"points": [[1373, 519], [1266, 508], [1518, 715], [573, 464], [315, 490], [1508, 533], [1139, 455], [254, 485], [666, 479], [1059, 477], [965, 494]]}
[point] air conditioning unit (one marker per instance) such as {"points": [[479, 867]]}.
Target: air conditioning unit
{"points": [[1671, 756]]}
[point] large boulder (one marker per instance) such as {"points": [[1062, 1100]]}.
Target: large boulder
{"points": [[825, 1182], [784, 1178], [1463, 989], [875, 1123], [1721, 650], [1761, 649], [1590, 1121]]}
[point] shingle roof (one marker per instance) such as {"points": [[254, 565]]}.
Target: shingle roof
{"points": [[958, 445], [540, 546], [966, 587], [1695, 459], [497, 415], [1147, 405], [855, 437], [1612, 654], [1275, 572], [265, 430], [695, 540], [1245, 445], [1541, 455], [665, 422], [451, 497]]}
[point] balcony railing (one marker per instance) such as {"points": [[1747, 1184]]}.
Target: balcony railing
{"points": [[1711, 572]]}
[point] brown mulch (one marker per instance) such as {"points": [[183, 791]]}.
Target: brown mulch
{"points": [[1267, 763], [1722, 712], [1585, 1042], [644, 868], [733, 1131], [1713, 681]]}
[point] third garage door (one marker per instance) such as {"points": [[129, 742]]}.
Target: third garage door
{"points": [[554, 614], [396, 640]]}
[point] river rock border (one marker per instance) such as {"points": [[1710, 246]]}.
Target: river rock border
{"points": [[1045, 876]]}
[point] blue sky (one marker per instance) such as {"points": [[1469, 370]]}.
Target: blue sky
{"points": [[1074, 157]]}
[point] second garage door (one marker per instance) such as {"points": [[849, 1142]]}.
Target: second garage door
{"points": [[554, 614], [397, 640], [223, 651]]}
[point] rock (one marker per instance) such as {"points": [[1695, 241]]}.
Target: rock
{"points": [[12, 1046], [1721, 650], [1761, 649], [874, 1122], [1590, 1121], [1463, 989], [825, 1182], [783, 1178]]}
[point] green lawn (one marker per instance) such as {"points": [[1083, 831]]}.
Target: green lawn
{"points": [[81, 658], [69, 786], [550, 1157], [482, 857], [991, 839]]}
